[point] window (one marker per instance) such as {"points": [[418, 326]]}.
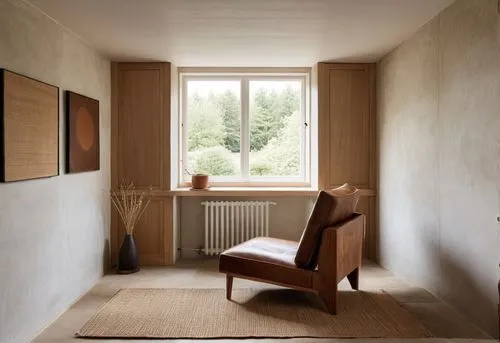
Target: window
{"points": [[245, 129]]}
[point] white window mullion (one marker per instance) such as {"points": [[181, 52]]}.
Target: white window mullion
{"points": [[245, 130], [305, 129], [184, 130], [306, 112]]}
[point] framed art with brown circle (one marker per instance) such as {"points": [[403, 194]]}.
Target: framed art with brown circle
{"points": [[82, 133]]}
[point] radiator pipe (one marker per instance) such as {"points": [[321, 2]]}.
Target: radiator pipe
{"points": [[199, 250]]}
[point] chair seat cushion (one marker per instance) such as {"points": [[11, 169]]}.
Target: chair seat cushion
{"points": [[266, 259], [266, 249]]}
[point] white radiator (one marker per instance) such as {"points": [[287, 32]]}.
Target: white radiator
{"points": [[228, 223]]}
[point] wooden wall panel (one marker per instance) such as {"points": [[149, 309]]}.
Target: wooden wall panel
{"points": [[141, 153], [139, 133], [346, 136], [168, 238], [349, 127], [366, 206], [346, 125]]}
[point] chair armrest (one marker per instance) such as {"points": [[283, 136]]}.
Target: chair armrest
{"points": [[341, 248]]}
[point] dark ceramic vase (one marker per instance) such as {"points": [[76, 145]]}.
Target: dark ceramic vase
{"points": [[128, 261]]}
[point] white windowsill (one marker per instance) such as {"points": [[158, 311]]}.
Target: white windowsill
{"points": [[246, 191], [249, 192]]}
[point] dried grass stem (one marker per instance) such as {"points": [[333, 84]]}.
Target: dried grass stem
{"points": [[130, 204]]}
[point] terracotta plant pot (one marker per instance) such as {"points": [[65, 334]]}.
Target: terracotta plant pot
{"points": [[199, 181]]}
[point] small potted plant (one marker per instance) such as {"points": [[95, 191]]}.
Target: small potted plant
{"points": [[198, 180], [130, 204]]}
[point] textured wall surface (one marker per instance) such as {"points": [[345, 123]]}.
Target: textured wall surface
{"points": [[53, 231], [439, 182], [286, 220]]}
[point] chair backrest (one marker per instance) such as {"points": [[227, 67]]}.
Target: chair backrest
{"points": [[330, 208]]}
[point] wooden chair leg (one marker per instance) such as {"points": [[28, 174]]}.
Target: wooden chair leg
{"points": [[353, 278], [229, 286], [330, 298]]}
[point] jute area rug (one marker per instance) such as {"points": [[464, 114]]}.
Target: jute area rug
{"points": [[205, 313]]}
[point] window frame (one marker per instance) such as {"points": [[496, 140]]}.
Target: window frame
{"points": [[245, 76]]}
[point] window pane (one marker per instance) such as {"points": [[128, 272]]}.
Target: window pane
{"points": [[213, 132], [275, 128]]}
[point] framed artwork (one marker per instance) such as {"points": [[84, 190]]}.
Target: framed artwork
{"points": [[29, 128], [82, 133]]}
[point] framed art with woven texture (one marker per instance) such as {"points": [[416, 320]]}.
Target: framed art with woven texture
{"points": [[29, 128]]}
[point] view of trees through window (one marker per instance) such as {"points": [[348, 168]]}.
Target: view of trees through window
{"points": [[214, 120]]}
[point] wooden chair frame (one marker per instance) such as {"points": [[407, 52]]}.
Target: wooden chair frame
{"points": [[340, 256]]}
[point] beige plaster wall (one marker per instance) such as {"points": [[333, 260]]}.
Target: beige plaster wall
{"points": [[439, 180], [53, 231]]}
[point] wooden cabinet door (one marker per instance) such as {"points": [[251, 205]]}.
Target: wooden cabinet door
{"points": [[346, 135], [141, 152], [346, 125]]}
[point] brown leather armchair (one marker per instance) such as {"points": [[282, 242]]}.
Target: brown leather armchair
{"points": [[329, 250]]}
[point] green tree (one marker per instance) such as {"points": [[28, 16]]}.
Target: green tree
{"points": [[269, 112], [214, 161], [264, 122], [289, 102], [229, 105], [281, 157], [261, 168], [205, 127]]}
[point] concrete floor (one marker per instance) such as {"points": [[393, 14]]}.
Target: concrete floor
{"points": [[438, 317]]}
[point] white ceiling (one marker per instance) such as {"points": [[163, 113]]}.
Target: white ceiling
{"points": [[243, 32]]}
